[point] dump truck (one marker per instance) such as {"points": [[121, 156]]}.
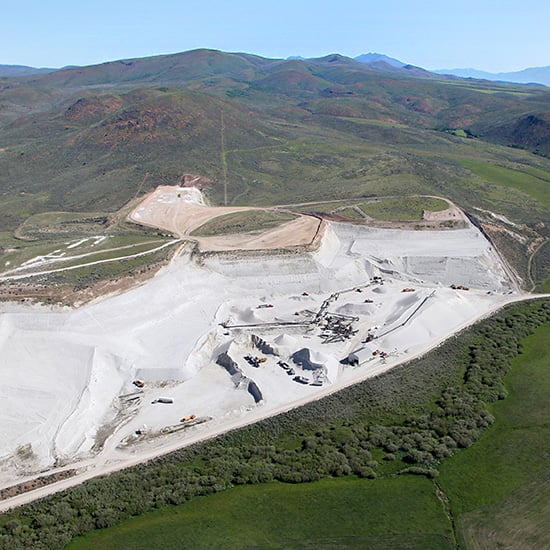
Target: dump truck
{"points": [[167, 400], [459, 287]]}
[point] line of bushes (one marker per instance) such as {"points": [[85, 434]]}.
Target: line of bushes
{"points": [[403, 422]]}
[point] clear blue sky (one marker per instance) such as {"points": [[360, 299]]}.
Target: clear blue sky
{"points": [[492, 35]]}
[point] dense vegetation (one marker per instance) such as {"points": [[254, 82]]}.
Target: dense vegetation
{"points": [[404, 422], [499, 489]]}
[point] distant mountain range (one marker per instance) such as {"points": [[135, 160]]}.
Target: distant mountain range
{"points": [[532, 75], [376, 57], [22, 70]]}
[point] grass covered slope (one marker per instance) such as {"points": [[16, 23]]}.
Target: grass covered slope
{"points": [[403, 208], [327, 128], [332, 513], [536, 185], [276, 131], [499, 488]]}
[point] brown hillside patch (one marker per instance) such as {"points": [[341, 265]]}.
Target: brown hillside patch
{"points": [[88, 110]]}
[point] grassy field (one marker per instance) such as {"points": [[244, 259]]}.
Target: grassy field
{"points": [[124, 267], [402, 208], [545, 285], [333, 513], [91, 249], [46, 224], [322, 207], [66, 240], [541, 268], [499, 488], [398, 208], [350, 213], [517, 521], [524, 181], [251, 221], [74, 263]]}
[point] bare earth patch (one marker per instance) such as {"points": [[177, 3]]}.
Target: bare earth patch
{"points": [[451, 214], [181, 210]]}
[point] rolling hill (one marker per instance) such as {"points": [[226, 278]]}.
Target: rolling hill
{"points": [[22, 70], [294, 130]]}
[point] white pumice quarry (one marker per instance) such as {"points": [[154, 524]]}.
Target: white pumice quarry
{"points": [[228, 337]]}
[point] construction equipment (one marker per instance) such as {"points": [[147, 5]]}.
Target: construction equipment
{"points": [[188, 418], [254, 361], [166, 400]]}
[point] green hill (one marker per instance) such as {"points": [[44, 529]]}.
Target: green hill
{"points": [[294, 130]]}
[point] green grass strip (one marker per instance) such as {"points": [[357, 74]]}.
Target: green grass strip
{"points": [[332, 513], [402, 208], [535, 187], [500, 487]]}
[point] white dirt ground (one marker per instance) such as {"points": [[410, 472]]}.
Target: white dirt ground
{"points": [[181, 210], [64, 370]]}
